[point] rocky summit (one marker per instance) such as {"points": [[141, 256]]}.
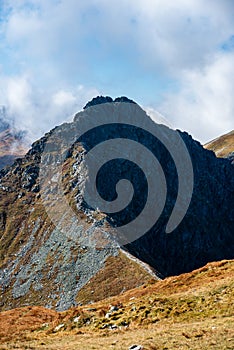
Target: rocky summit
{"points": [[57, 251]]}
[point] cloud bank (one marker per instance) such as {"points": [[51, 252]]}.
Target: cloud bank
{"points": [[38, 110], [175, 57]]}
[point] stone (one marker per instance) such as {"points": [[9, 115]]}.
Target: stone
{"points": [[113, 326], [114, 308], [59, 327], [136, 347]]}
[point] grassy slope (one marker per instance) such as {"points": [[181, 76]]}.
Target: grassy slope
{"points": [[193, 310], [119, 274], [223, 145]]}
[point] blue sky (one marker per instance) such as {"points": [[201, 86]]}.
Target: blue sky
{"points": [[175, 57]]}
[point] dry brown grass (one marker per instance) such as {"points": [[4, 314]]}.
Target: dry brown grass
{"points": [[214, 334], [119, 274]]}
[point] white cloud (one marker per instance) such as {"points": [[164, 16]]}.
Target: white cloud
{"points": [[61, 98], [205, 105], [157, 117], [54, 46], [18, 94], [166, 34]]}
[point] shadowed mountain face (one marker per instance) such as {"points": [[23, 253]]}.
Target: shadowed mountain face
{"points": [[50, 263], [11, 142]]}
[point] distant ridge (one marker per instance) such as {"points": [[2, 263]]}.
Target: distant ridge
{"points": [[12, 143], [223, 145]]}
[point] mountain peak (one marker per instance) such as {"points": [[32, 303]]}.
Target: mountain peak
{"points": [[107, 99]]}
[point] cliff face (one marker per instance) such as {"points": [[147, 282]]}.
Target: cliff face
{"points": [[206, 232], [50, 263]]}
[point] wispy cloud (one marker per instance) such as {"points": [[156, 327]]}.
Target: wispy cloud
{"points": [[38, 110]]}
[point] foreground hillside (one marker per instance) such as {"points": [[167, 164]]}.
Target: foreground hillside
{"points": [[193, 310]]}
